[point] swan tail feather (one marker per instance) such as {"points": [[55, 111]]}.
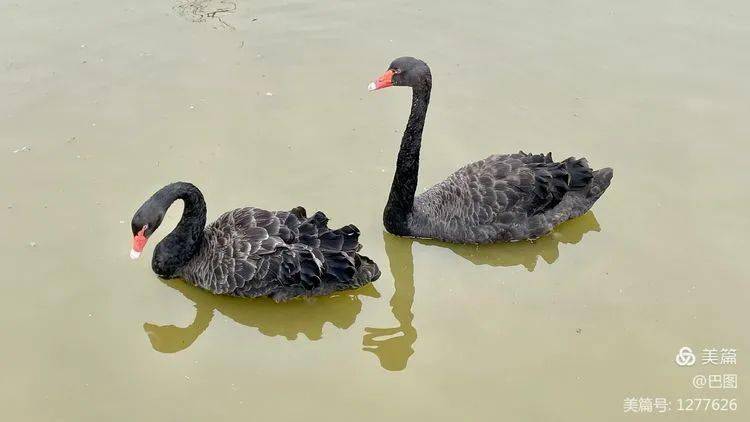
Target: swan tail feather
{"points": [[580, 174], [299, 212], [367, 270], [344, 239], [344, 268], [340, 247]]}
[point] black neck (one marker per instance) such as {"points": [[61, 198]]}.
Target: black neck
{"points": [[401, 198], [179, 246]]}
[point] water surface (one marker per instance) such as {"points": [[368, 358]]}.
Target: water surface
{"points": [[265, 104]]}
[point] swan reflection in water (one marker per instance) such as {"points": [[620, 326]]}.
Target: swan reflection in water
{"points": [[288, 319], [393, 346]]}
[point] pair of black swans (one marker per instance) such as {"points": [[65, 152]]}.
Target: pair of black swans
{"points": [[252, 252]]}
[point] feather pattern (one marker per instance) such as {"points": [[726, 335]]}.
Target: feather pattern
{"points": [[506, 197], [252, 252], [502, 198]]}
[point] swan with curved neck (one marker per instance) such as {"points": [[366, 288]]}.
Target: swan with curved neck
{"points": [[505, 197], [251, 252]]}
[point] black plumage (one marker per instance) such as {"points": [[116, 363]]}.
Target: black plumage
{"points": [[506, 197], [252, 252]]}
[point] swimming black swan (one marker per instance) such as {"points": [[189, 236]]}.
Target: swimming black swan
{"points": [[505, 198], [251, 252]]}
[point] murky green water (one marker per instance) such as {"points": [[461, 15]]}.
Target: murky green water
{"points": [[116, 99]]}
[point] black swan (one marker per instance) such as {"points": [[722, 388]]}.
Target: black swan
{"points": [[251, 252], [502, 198]]}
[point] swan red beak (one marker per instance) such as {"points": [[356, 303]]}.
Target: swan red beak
{"points": [[139, 242], [382, 82]]}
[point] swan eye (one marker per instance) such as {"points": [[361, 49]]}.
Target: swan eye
{"points": [[396, 71]]}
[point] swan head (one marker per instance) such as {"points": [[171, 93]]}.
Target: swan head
{"points": [[404, 71], [144, 223]]}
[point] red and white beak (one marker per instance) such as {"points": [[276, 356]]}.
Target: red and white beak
{"points": [[382, 82], [139, 242]]}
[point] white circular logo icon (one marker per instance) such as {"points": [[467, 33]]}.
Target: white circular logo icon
{"points": [[685, 357]]}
